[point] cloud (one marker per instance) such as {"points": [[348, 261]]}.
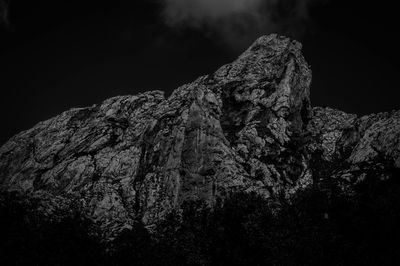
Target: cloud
{"points": [[4, 13], [238, 22]]}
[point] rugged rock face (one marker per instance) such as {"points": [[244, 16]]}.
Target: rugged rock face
{"points": [[247, 127]]}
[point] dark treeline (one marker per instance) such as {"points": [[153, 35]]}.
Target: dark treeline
{"points": [[321, 226]]}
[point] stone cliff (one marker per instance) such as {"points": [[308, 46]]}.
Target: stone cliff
{"points": [[247, 127]]}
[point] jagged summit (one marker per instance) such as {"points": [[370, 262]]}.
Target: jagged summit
{"points": [[247, 127]]}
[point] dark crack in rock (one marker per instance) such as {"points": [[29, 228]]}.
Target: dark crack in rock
{"points": [[247, 127]]}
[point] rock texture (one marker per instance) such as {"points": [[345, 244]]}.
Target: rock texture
{"points": [[247, 127]]}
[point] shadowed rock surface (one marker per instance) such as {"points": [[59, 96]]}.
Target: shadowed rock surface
{"points": [[247, 127]]}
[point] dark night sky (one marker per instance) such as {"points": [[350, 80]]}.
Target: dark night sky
{"points": [[56, 55]]}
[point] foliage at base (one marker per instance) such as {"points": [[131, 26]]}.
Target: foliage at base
{"points": [[319, 227]]}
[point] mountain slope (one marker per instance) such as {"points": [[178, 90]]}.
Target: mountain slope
{"points": [[247, 127]]}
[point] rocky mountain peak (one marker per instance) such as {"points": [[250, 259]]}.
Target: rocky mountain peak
{"points": [[271, 75], [247, 127]]}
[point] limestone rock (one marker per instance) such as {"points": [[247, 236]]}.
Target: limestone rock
{"points": [[351, 148], [247, 127]]}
